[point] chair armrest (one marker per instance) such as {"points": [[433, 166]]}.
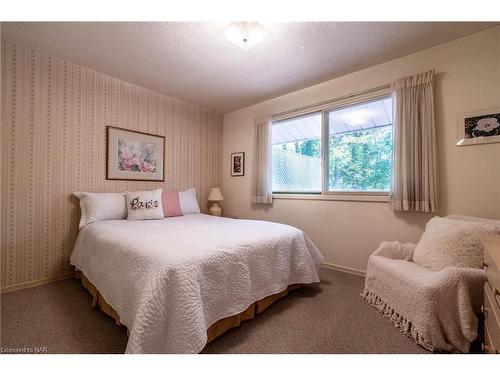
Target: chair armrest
{"points": [[475, 274], [472, 280], [471, 277], [395, 250]]}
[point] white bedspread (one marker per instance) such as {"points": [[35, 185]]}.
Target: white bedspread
{"points": [[170, 279]]}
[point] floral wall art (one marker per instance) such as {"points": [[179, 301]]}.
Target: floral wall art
{"points": [[136, 156], [479, 127]]}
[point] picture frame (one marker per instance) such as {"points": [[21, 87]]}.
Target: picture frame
{"points": [[134, 156], [237, 164], [478, 127]]}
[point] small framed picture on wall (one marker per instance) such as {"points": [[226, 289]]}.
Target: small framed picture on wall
{"points": [[478, 127], [238, 164]]}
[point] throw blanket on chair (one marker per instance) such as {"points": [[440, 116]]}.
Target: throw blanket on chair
{"points": [[437, 309]]}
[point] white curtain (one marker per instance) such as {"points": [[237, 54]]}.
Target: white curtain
{"points": [[414, 182], [262, 191]]}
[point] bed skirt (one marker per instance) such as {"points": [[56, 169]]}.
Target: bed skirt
{"points": [[214, 331]]}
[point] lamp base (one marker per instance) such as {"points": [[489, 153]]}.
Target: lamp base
{"points": [[215, 209]]}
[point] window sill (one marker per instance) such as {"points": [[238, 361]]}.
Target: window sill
{"points": [[337, 196]]}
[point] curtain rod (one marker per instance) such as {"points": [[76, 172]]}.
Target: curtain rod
{"points": [[329, 101]]}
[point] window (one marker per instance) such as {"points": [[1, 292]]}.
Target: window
{"points": [[297, 154], [357, 153]]}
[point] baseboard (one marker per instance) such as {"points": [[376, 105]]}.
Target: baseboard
{"points": [[352, 271], [31, 284]]}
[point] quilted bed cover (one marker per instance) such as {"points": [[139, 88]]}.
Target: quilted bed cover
{"points": [[170, 279]]}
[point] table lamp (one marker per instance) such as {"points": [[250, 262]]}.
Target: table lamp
{"points": [[215, 196]]}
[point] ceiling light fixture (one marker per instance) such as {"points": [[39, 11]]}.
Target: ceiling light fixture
{"points": [[245, 34]]}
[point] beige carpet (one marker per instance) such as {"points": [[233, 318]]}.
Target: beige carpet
{"points": [[328, 318]]}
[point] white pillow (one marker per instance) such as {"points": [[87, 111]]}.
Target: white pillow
{"points": [[451, 243], [101, 206], [188, 202], [144, 205]]}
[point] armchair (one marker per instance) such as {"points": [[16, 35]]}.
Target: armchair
{"points": [[436, 308]]}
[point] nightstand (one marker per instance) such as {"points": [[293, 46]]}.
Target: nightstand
{"points": [[491, 307]]}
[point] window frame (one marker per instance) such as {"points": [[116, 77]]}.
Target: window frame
{"points": [[325, 194]]}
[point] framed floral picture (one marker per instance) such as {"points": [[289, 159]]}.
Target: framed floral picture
{"points": [[479, 127], [238, 164], [133, 155]]}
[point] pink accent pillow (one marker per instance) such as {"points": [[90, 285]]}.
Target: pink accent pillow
{"points": [[171, 204]]}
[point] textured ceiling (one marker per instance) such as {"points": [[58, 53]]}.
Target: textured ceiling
{"points": [[192, 62]]}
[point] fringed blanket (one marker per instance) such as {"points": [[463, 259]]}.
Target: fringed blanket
{"points": [[437, 309]]}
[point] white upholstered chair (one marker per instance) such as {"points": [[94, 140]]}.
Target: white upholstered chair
{"points": [[438, 309]]}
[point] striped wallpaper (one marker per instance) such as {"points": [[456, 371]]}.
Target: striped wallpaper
{"points": [[54, 118]]}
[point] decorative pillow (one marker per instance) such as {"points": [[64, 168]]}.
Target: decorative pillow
{"points": [[101, 206], [171, 204], [178, 203], [451, 243], [144, 205]]}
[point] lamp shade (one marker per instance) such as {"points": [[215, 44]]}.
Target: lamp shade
{"points": [[215, 195], [245, 34]]}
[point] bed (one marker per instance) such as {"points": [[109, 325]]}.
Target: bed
{"points": [[175, 282]]}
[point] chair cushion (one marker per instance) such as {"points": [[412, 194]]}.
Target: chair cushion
{"points": [[451, 243]]}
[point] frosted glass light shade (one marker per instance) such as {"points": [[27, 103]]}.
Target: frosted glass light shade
{"points": [[215, 195], [245, 34]]}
